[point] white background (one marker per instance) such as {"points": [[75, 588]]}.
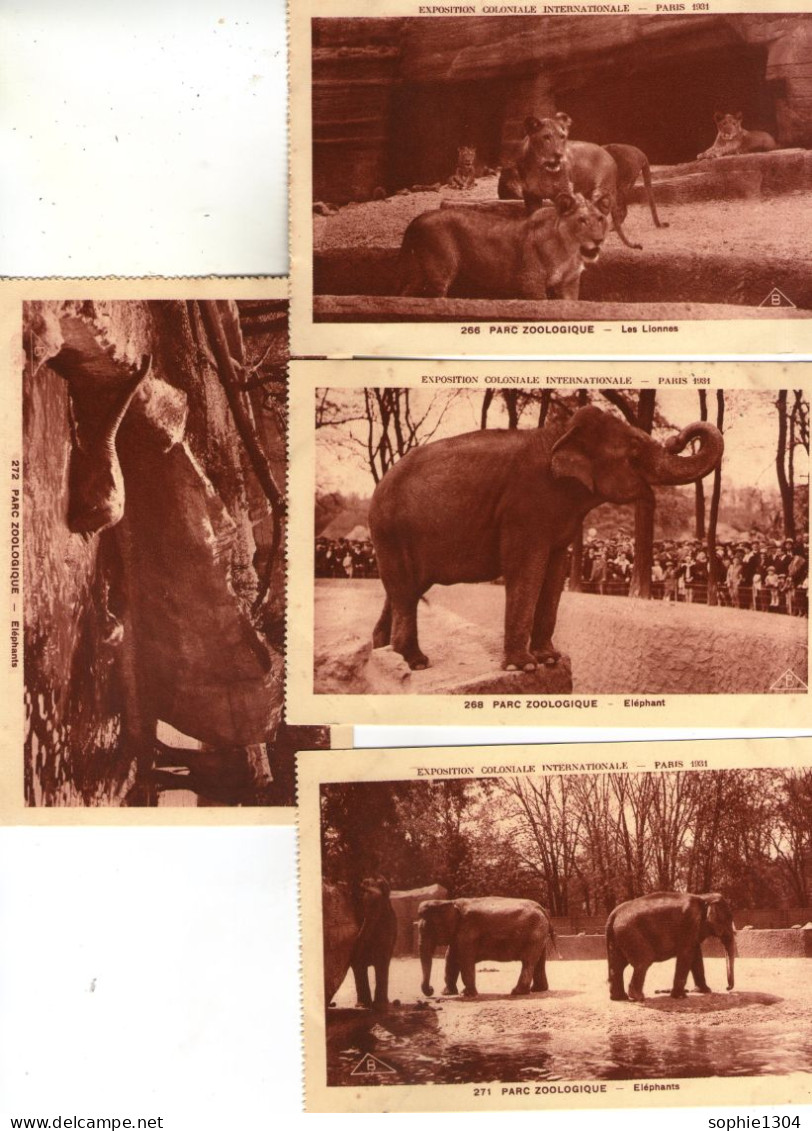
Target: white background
{"points": [[154, 972]]}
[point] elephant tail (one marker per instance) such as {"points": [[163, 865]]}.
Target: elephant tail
{"points": [[552, 940]]}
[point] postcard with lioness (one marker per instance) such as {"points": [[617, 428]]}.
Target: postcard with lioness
{"points": [[549, 544], [540, 927], [145, 445], [556, 178]]}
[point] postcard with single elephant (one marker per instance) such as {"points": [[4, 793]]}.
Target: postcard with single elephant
{"points": [[550, 178], [144, 439], [558, 544], [539, 927]]}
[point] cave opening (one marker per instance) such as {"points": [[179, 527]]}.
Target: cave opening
{"points": [[667, 108], [430, 122]]}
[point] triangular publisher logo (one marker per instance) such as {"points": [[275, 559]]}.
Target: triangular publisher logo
{"points": [[789, 681], [777, 298], [369, 1065]]}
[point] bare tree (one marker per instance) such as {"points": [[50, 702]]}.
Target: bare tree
{"points": [[793, 431], [547, 830], [699, 486], [716, 493]]}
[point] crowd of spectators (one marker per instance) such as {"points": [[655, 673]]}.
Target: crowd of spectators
{"points": [[763, 574], [340, 557]]}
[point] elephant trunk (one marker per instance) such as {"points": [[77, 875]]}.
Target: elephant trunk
{"points": [[426, 950], [666, 467], [730, 950]]}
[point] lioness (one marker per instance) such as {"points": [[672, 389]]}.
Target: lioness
{"points": [[509, 256], [631, 162], [550, 163], [732, 138], [464, 176]]}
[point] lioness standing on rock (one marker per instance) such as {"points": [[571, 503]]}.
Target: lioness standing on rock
{"points": [[503, 256], [733, 138], [550, 163]]}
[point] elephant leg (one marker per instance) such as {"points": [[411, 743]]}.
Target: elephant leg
{"points": [[638, 978], [617, 991], [540, 974], [468, 972], [698, 972], [546, 614], [684, 962], [525, 978], [381, 983], [452, 971], [523, 585], [404, 631], [362, 991], [382, 632]]}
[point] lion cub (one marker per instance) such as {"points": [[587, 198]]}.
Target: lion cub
{"points": [[732, 138], [504, 256]]}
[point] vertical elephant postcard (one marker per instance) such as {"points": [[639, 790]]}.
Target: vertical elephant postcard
{"points": [[145, 449], [590, 926], [549, 543], [600, 179]]}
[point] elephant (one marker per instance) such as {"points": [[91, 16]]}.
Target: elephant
{"points": [[489, 927], [360, 929], [507, 503], [663, 925]]}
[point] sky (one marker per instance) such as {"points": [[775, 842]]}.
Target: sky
{"points": [[750, 435]]}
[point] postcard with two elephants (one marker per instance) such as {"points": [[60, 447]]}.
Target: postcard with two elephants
{"points": [[568, 544], [539, 927], [144, 438], [606, 179]]}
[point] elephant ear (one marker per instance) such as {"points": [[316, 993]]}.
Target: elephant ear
{"points": [[717, 912], [570, 457]]}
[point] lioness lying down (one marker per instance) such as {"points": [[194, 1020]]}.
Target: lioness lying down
{"points": [[733, 138], [483, 252]]}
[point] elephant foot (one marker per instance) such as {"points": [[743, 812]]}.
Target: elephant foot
{"points": [[679, 993], [519, 662], [519, 991], [636, 995], [468, 992], [547, 655], [417, 661], [450, 991], [704, 989], [427, 991], [540, 989], [618, 997], [380, 639]]}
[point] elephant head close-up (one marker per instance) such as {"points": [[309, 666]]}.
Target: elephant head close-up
{"points": [[490, 504]]}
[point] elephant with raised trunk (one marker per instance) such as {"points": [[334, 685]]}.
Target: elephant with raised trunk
{"points": [[508, 503], [474, 929], [663, 925]]}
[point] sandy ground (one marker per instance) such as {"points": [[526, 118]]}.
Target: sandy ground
{"points": [[574, 1031], [775, 227]]}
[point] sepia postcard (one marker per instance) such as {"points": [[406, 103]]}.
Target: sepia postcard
{"points": [[581, 926], [557, 178], [144, 436], [565, 543]]}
